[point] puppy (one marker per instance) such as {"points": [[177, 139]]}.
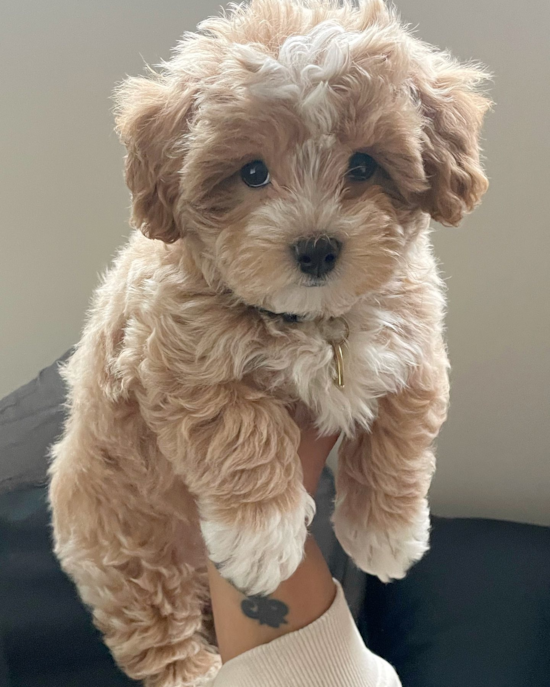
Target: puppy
{"points": [[284, 166]]}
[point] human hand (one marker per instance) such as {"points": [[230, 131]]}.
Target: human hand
{"points": [[314, 451]]}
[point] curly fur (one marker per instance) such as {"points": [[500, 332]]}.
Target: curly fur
{"points": [[179, 429]]}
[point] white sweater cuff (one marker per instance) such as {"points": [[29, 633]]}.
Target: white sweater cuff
{"points": [[328, 653]]}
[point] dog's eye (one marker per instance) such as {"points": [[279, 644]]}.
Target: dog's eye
{"points": [[361, 167], [255, 174]]}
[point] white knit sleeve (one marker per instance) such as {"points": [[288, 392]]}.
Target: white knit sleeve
{"points": [[328, 653]]}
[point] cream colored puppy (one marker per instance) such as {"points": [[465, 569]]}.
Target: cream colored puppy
{"points": [[284, 166]]}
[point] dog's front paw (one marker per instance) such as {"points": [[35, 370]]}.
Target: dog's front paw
{"points": [[257, 559], [387, 555]]}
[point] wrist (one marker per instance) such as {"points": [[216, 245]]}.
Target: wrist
{"points": [[243, 623]]}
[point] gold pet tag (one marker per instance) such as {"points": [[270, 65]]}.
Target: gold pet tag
{"points": [[339, 361], [338, 353]]}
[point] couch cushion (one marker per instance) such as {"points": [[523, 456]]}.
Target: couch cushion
{"points": [[474, 613], [30, 419]]}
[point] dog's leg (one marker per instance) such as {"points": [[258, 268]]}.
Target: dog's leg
{"points": [[153, 624], [149, 611], [139, 570], [238, 454], [382, 517]]}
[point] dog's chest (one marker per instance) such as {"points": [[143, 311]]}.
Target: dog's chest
{"points": [[339, 372]]}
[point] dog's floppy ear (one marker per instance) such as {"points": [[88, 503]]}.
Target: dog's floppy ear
{"points": [[151, 116], [453, 111]]}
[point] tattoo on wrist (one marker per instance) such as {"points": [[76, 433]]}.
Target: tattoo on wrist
{"points": [[265, 610]]}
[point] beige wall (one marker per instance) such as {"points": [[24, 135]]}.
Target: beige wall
{"points": [[63, 212]]}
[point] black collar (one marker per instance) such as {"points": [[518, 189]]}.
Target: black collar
{"points": [[285, 316]]}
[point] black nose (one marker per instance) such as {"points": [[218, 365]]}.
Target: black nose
{"points": [[317, 256]]}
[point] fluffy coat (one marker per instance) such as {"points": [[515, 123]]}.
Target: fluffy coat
{"points": [[187, 390]]}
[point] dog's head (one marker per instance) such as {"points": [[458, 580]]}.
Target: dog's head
{"points": [[300, 146]]}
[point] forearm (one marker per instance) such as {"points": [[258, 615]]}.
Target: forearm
{"points": [[243, 623]]}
